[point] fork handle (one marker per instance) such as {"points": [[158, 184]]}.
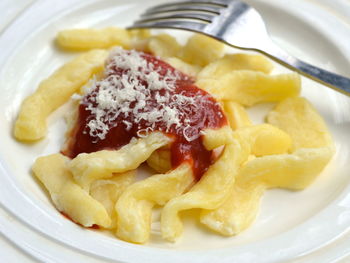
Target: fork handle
{"points": [[332, 80]]}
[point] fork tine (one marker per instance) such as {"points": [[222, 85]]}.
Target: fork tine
{"points": [[208, 9], [192, 16], [215, 3], [184, 25]]}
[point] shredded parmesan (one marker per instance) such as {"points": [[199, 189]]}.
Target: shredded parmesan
{"points": [[137, 91]]}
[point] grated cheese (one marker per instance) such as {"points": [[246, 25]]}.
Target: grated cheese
{"points": [[135, 90]]}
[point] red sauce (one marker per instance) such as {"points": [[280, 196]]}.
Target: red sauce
{"points": [[206, 115], [94, 226]]}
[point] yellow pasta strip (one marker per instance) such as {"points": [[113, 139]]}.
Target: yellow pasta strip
{"points": [[54, 92], [298, 117], [292, 171], [163, 45], [87, 168], [189, 69], [85, 39], [140, 39], [201, 50], [312, 148], [108, 191], [134, 207], [67, 196], [140, 33], [242, 205], [214, 138], [250, 87], [238, 212], [209, 193], [265, 139], [236, 115], [238, 61], [160, 160]]}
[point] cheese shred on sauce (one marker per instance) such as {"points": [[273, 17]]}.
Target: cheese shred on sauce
{"points": [[139, 94], [129, 91]]}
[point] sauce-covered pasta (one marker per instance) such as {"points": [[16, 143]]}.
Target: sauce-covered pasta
{"points": [[140, 94]]}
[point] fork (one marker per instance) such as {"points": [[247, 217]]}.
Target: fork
{"points": [[238, 25]]}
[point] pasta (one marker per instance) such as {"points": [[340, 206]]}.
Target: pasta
{"points": [[67, 196], [236, 115], [251, 87], [84, 39], [209, 193], [31, 122], [181, 110], [229, 63], [160, 160], [189, 69], [311, 150], [164, 45], [87, 168], [201, 50], [135, 205], [108, 191]]}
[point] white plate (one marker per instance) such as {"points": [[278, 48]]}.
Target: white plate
{"points": [[307, 225]]}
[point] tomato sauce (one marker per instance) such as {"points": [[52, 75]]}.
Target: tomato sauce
{"points": [[205, 113], [94, 226]]}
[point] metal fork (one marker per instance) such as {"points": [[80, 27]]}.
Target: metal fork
{"points": [[238, 25]]}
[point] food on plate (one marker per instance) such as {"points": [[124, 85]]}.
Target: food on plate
{"points": [[67, 196], [85, 39], [291, 163], [252, 87], [31, 121], [201, 50], [143, 99]]}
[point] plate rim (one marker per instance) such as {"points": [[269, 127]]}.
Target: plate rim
{"points": [[3, 57]]}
